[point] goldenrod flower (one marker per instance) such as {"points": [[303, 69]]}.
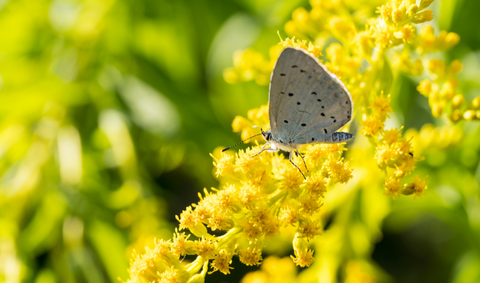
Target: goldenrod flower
{"points": [[417, 187], [289, 215], [383, 155], [181, 245], [425, 3], [381, 106], [339, 170], [406, 33], [188, 218], [422, 17], [304, 44], [303, 255], [392, 187], [316, 185], [251, 256], [172, 275], [391, 136], [205, 248], [222, 262], [224, 165], [425, 87], [371, 125]]}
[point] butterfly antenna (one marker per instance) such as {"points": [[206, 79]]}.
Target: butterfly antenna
{"points": [[239, 142]]}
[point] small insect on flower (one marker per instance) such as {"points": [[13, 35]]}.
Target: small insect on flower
{"points": [[307, 104]]}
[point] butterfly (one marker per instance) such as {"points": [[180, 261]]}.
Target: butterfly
{"points": [[307, 104]]}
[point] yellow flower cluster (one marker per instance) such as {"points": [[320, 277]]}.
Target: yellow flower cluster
{"points": [[428, 42], [392, 151], [259, 198], [441, 86], [394, 26], [431, 137], [245, 126], [443, 95], [252, 65]]}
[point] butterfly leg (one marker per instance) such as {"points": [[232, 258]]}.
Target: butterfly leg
{"points": [[302, 160], [265, 149], [290, 158]]}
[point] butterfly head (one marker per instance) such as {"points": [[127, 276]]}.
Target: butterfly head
{"points": [[267, 135]]}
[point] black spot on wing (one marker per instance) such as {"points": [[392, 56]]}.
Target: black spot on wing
{"points": [[290, 94], [285, 121]]}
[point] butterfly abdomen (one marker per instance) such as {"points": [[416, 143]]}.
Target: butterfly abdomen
{"points": [[340, 137]]}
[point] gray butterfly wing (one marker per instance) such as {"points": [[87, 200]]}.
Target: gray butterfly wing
{"points": [[307, 104]]}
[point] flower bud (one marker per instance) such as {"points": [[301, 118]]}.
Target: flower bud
{"points": [[455, 67], [458, 100], [412, 10], [397, 15], [422, 17], [425, 3], [469, 115], [456, 116], [425, 87], [437, 110], [476, 103]]}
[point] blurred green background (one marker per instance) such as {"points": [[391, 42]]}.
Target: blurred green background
{"points": [[109, 110]]}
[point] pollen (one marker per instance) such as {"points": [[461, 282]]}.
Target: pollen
{"points": [[205, 248], [303, 258], [222, 262], [392, 187], [309, 229], [251, 256]]}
